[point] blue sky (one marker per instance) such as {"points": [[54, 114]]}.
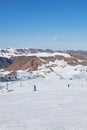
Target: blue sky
{"points": [[53, 24]]}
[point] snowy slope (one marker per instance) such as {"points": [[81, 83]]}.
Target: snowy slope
{"points": [[53, 106], [63, 70], [58, 67]]}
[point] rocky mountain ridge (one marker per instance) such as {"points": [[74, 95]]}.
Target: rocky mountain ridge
{"points": [[11, 52], [31, 59]]}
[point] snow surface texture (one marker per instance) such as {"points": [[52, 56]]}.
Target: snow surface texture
{"points": [[54, 106]]}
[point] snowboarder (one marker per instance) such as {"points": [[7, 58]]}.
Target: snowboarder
{"points": [[35, 88]]}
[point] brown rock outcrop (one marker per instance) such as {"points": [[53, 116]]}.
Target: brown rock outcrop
{"points": [[25, 62]]}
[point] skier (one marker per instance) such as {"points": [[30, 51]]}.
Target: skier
{"points": [[7, 86], [35, 88], [68, 85]]}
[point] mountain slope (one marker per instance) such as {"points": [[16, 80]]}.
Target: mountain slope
{"points": [[25, 62], [5, 62]]}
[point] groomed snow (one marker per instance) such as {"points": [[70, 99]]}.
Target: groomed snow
{"points": [[54, 106]]}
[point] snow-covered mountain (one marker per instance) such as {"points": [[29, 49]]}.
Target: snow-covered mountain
{"points": [[10, 52], [65, 64], [60, 68]]}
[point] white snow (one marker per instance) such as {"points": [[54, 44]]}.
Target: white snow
{"points": [[23, 74], [62, 69], [3, 72], [9, 52], [54, 106], [44, 54]]}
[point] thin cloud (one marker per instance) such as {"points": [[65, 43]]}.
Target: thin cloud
{"points": [[55, 38]]}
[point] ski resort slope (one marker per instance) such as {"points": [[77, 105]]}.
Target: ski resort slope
{"points": [[54, 106]]}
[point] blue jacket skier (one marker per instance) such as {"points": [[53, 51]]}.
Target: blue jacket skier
{"points": [[35, 88]]}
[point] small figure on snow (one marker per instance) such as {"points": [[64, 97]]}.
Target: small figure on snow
{"points": [[7, 86], [68, 85], [35, 88]]}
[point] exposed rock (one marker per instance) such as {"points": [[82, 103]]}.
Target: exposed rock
{"points": [[5, 62], [48, 59], [22, 63]]}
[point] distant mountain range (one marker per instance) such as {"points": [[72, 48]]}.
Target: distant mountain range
{"points": [[14, 59], [11, 52]]}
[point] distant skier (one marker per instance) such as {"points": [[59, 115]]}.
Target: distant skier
{"points": [[68, 85], [7, 86], [35, 88]]}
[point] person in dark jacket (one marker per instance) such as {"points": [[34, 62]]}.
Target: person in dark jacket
{"points": [[68, 85], [35, 88]]}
